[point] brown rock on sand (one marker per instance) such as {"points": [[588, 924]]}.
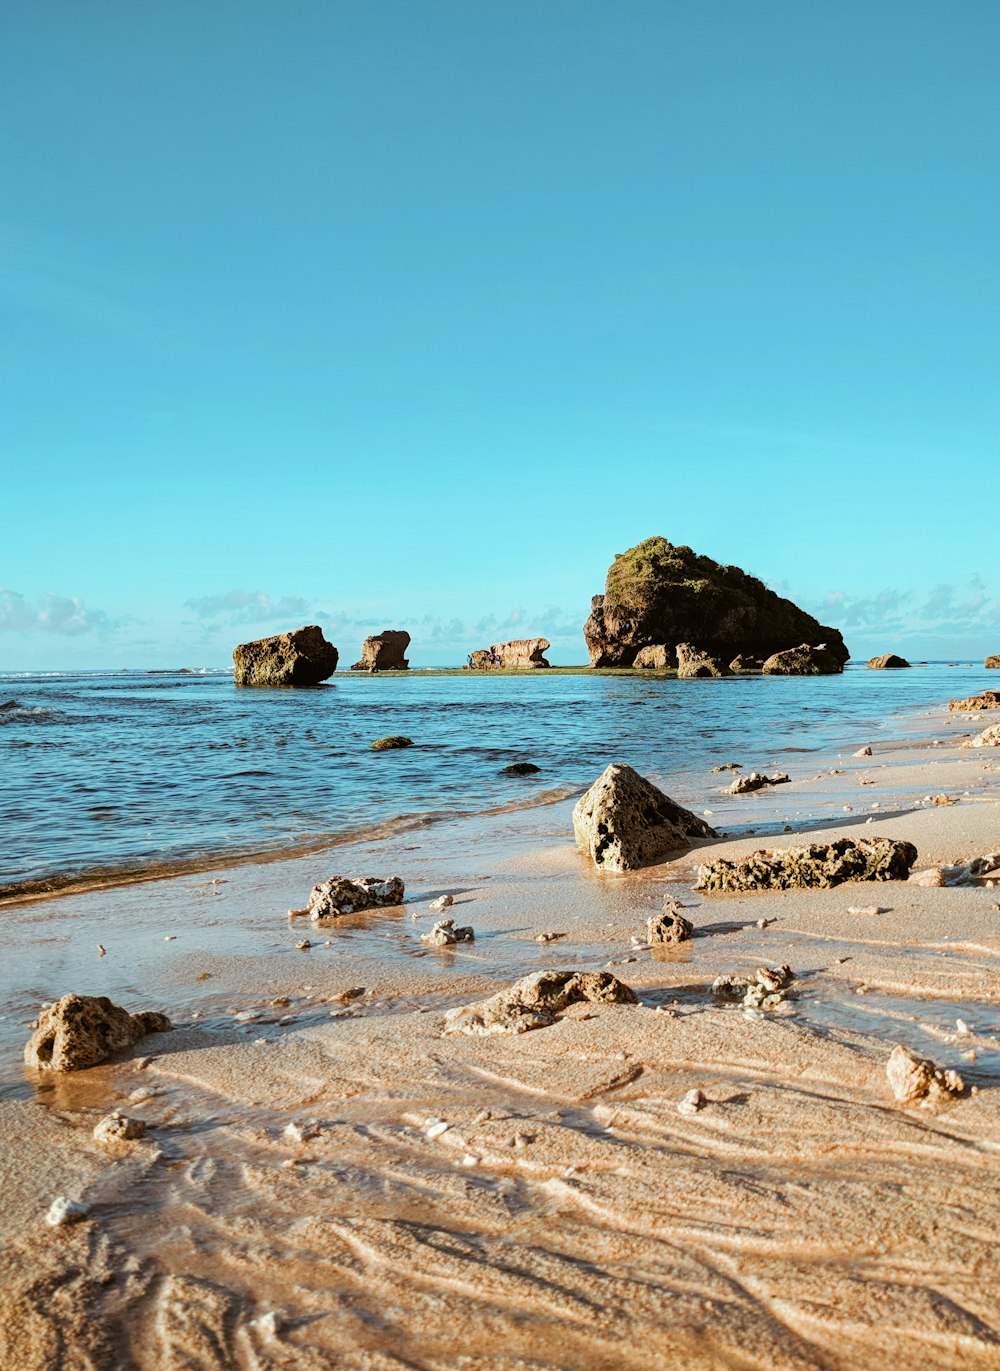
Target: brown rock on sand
{"points": [[990, 737], [624, 821], [79, 1031], [300, 658], [342, 895], [915, 1078], [986, 699], [816, 866], [668, 927], [536, 1000]]}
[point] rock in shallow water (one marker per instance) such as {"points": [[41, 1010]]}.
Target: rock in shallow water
{"points": [[118, 1127], [343, 895], [385, 651], [803, 660], [693, 663], [521, 654], [820, 865], [887, 662], [300, 658], [668, 927], [391, 743], [445, 934], [624, 821], [535, 1001], [744, 785], [80, 1031]]}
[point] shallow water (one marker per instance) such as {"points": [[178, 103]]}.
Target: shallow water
{"points": [[135, 770]]}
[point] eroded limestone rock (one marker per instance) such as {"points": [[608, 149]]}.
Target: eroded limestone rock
{"points": [[624, 821], [656, 657], [986, 699], [80, 1031], [765, 989], [344, 895], [536, 1001], [519, 654], [668, 927], [993, 661], [693, 663], [300, 658], [385, 651], [803, 660], [445, 934], [990, 737], [117, 1127], [888, 662], [820, 865], [915, 1079], [744, 785]]}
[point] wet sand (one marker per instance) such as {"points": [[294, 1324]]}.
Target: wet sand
{"points": [[568, 1216]]}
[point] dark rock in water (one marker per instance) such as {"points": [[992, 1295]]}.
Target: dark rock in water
{"points": [[744, 785], [389, 744], [692, 663], [657, 657], [300, 658], [993, 661], [658, 594], [744, 663], [9, 705], [986, 699], [385, 651], [536, 1000], [520, 769], [817, 866], [888, 662], [521, 654], [342, 895], [803, 661], [624, 822], [79, 1031]]}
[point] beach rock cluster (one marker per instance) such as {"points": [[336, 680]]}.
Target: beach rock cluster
{"points": [[915, 1079], [693, 662], [986, 699], [990, 737], [536, 1001], [385, 651], [765, 989], [888, 662], [300, 658], [803, 660], [521, 654], [343, 895], [445, 934], [624, 821], [756, 780], [659, 595], [81, 1031], [817, 866]]}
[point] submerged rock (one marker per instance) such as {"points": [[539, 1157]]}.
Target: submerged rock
{"points": [[343, 895], [888, 662], [389, 744], [624, 822], [656, 657], [300, 658], [535, 1001], [693, 663], [803, 660], [445, 934], [914, 1078], [986, 699], [519, 654], [520, 769], [765, 989], [756, 780], [668, 927], [990, 737], [385, 651], [820, 865], [80, 1031], [657, 595]]}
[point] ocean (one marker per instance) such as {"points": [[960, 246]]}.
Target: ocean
{"points": [[103, 774]]}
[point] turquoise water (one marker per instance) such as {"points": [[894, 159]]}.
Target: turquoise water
{"points": [[133, 770]]}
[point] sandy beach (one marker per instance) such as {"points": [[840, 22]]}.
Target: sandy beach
{"points": [[536, 1200]]}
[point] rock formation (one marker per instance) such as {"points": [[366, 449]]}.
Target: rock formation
{"points": [[986, 699], [341, 895], [993, 661], [536, 1000], [766, 989], [887, 662], [816, 866], [914, 1079], [803, 660], [624, 822], [392, 743], [385, 651], [693, 663], [668, 927], [756, 780], [990, 737], [656, 657], [520, 654], [445, 934], [83, 1030], [300, 658], [657, 594]]}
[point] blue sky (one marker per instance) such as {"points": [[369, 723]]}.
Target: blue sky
{"points": [[394, 313]]}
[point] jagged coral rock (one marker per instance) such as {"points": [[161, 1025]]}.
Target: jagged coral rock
{"points": [[536, 1001], [624, 821], [656, 657], [914, 1078], [79, 1031], [990, 737], [692, 663], [520, 654], [819, 865], [986, 699], [344, 895], [300, 658]]}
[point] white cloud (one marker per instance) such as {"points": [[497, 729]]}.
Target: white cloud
{"points": [[50, 614], [248, 607]]}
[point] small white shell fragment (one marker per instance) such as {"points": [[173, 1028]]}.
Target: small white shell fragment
{"points": [[300, 1132], [692, 1102], [436, 1128], [269, 1324], [63, 1210], [864, 909]]}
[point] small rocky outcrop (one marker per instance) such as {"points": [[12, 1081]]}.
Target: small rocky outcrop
{"points": [[445, 934], [803, 660], [656, 657], [668, 928], [80, 1031], [986, 699], [915, 1079], [520, 769], [536, 1001], [117, 1127], [392, 743], [743, 663], [657, 594], [993, 661], [521, 654], [624, 821], [300, 658], [385, 651], [765, 989], [342, 895], [744, 785], [692, 663], [888, 662], [820, 865], [990, 737]]}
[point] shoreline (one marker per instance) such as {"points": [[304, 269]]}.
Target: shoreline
{"points": [[567, 1199]]}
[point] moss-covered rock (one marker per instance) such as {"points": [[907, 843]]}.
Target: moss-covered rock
{"points": [[389, 744], [660, 594]]}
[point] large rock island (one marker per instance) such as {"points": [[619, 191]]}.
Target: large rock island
{"points": [[300, 658], [658, 594], [522, 654]]}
